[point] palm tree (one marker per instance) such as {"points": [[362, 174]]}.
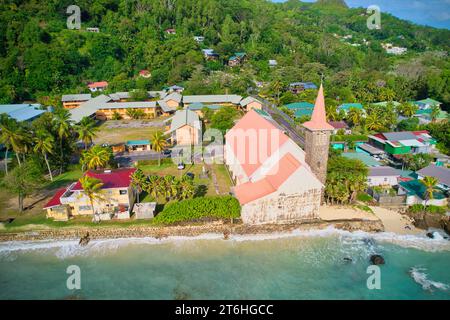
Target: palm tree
{"points": [[96, 157], [408, 109], [331, 112], [138, 180], [187, 187], [62, 124], [430, 184], [372, 122], [435, 111], [153, 186], [43, 144], [92, 189], [12, 136], [354, 115], [159, 143], [87, 131]]}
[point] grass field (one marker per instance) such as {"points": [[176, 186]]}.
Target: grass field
{"points": [[131, 131]]}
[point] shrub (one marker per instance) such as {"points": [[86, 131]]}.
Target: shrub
{"points": [[223, 207], [419, 208], [364, 197]]}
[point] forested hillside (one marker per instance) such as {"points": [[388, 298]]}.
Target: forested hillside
{"points": [[41, 59]]}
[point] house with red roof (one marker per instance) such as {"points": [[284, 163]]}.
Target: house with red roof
{"points": [[273, 182], [116, 198], [98, 86]]}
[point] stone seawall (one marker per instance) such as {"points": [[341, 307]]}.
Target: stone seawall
{"points": [[188, 230]]}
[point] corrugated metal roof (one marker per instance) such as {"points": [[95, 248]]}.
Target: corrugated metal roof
{"points": [[383, 171], [76, 97], [218, 98], [22, 112], [396, 136], [184, 117], [88, 108], [442, 173]]}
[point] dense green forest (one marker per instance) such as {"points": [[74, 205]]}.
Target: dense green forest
{"points": [[40, 58]]}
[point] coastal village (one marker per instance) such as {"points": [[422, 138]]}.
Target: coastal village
{"points": [[274, 165]]}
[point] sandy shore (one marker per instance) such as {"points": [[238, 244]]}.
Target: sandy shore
{"points": [[391, 220]]}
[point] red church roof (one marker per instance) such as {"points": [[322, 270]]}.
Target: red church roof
{"points": [[253, 140], [274, 179], [120, 178]]}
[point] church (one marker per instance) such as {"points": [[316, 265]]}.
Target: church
{"points": [[276, 181]]}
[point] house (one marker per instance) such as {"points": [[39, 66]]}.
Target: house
{"points": [[273, 63], [274, 182], [222, 99], [95, 30], [174, 88], [210, 54], [439, 172], [301, 109], [120, 96], [199, 39], [171, 31], [185, 128], [427, 103], [363, 157], [250, 103], [404, 142], [138, 145], [340, 125], [237, 59], [386, 103], [71, 101], [173, 100], [102, 108], [297, 87], [197, 107], [383, 176], [347, 106], [145, 74], [98, 86], [115, 201], [391, 49], [22, 112], [415, 192]]}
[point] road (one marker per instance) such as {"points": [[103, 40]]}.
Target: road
{"points": [[280, 118]]}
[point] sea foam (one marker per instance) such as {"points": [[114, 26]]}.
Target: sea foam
{"points": [[419, 276]]}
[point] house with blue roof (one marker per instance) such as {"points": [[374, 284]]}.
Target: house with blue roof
{"points": [[297, 87], [22, 112]]}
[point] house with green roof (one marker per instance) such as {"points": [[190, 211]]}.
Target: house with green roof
{"points": [[138, 145], [347, 106], [427, 103], [301, 109], [236, 59], [415, 192], [386, 103]]}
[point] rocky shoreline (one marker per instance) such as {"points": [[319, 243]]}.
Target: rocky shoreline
{"points": [[186, 230]]}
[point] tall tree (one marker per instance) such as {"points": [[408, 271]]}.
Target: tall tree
{"points": [[159, 143], [87, 131], [63, 127], [96, 157], [430, 184], [43, 144], [92, 188]]}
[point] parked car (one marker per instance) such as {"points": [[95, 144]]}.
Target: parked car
{"points": [[190, 175]]}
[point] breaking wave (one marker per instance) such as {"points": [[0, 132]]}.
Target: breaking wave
{"points": [[69, 248], [419, 276]]}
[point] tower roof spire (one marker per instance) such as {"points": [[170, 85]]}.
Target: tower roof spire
{"points": [[318, 119]]}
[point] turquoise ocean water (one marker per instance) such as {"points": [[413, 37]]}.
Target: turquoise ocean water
{"points": [[300, 265]]}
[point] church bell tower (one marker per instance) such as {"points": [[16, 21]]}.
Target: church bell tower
{"points": [[317, 138]]}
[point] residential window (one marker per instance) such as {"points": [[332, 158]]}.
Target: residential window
{"points": [[123, 192]]}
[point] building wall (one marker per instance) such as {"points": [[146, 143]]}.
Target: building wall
{"points": [[397, 150], [72, 104], [283, 208], [60, 213], [112, 197], [382, 181], [107, 114], [316, 149], [187, 135]]}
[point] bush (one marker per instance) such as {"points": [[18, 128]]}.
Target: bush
{"points": [[420, 208], [224, 207], [349, 138], [364, 197]]}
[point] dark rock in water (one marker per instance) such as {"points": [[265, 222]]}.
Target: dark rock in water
{"points": [[226, 235], [348, 259], [84, 240], [376, 259], [430, 235]]}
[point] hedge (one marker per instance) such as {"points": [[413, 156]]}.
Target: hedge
{"points": [[349, 138], [218, 207]]}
